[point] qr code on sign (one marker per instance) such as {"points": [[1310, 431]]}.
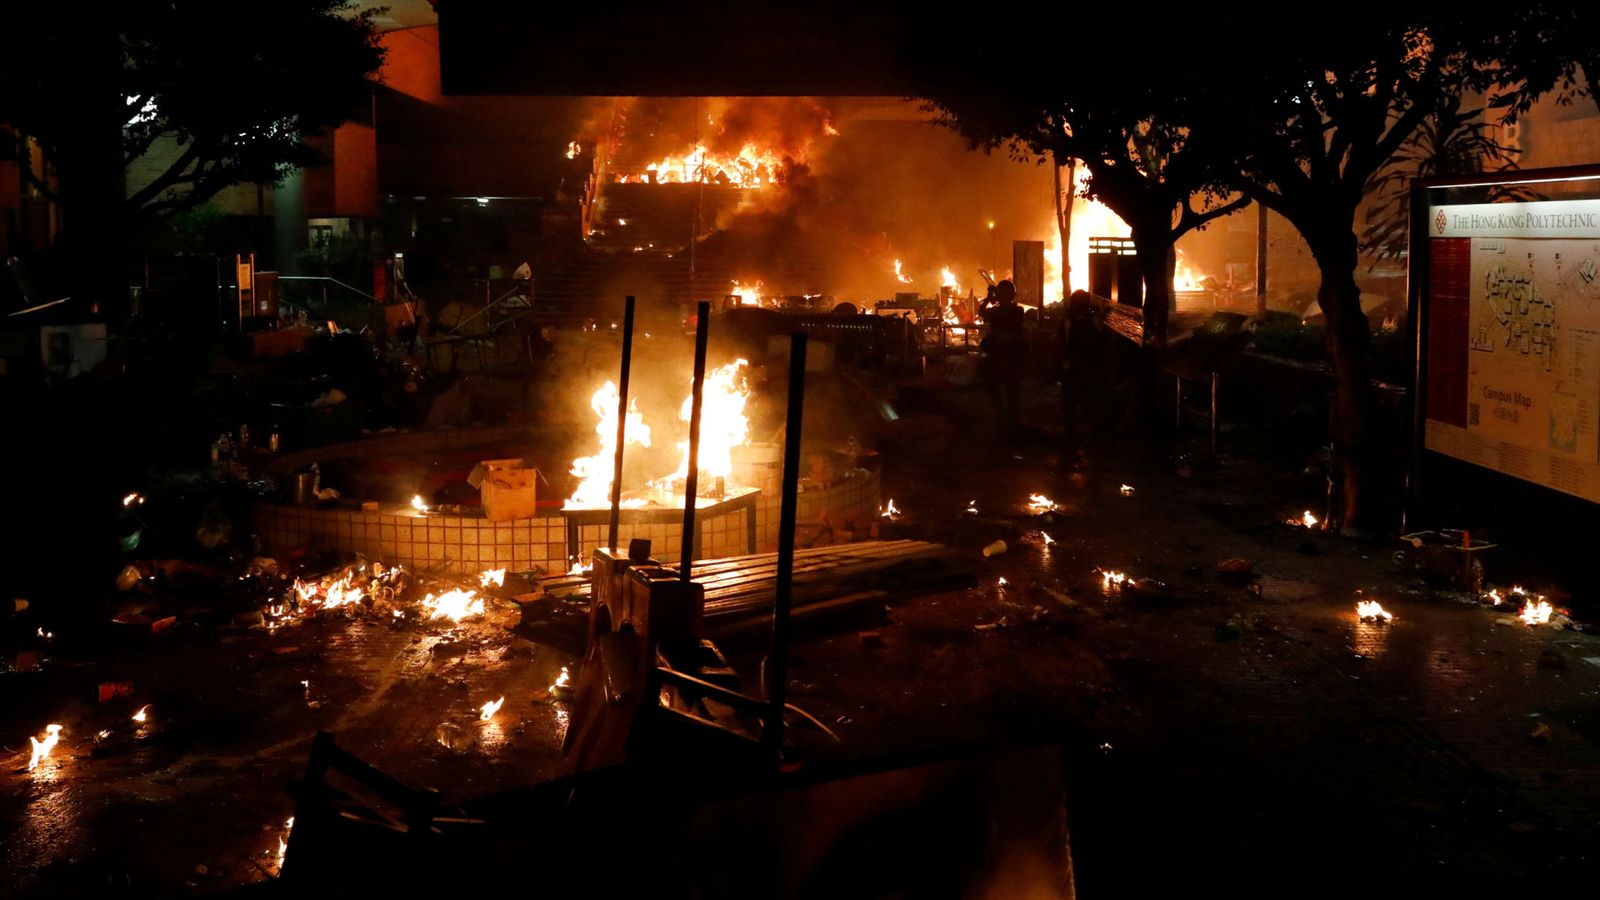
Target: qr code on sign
{"points": [[1473, 412]]}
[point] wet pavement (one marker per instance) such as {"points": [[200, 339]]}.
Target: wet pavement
{"points": [[1220, 740]]}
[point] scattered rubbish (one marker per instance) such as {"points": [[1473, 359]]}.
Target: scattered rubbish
{"points": [[1540, 732], [127, 580], [249, 618], [1236, 565], [455, 739], [18, 604], [994, 548], [1592, 660], [110, 690]]}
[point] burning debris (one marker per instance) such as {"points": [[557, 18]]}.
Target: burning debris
{"points": [[1306, 520], [1372, 611], [283, 843], [418, 506], [363, 586], [41, 749], [1536, 611], [487, 711], [749, 168], [454, 605], [1048, 540], [142, 715], [1039, 504], [1126, 490], [899, 274], [1110, 578], [972, 508], [561, 688], [492, 578], [889, 511], [595, 472], [133, 499]]}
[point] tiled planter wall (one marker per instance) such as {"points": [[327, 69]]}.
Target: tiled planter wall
{"points": [[467, 544]]}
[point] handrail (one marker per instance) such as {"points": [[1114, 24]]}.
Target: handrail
{"points": [[349, 287]]}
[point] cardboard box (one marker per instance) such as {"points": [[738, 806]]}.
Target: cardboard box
{"points": [[507, 488]]}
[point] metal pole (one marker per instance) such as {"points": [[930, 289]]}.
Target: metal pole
{"points": [[1213, 414], [1261, 260], [778, 658], [691, 481], [622, 424]]}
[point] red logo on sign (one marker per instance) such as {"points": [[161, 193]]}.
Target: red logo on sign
{"points": [[1438, 221]]}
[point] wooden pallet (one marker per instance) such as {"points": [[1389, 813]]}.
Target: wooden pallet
{"points": [[743, 586]]}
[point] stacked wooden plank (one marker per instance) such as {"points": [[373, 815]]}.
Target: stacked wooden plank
{"points": [[742, 587]]}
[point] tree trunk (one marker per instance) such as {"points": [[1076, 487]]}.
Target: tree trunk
{"points": [[1157, 263], [1066, 195], [1348, 338], [89, 165]]}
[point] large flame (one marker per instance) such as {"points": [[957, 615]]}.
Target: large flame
{"points": [[899, 273], [750, 294], [454, 605], [41, 749], [594, 472], [750, 167], [723, 424]]}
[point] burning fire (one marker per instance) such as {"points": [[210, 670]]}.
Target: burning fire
{"points": [[750, 294], [283, 842], [594, 472], [490, 708], [1126, 490], [751, 167], [1039, 504], [492, 578], [1110, 578], [1495, 597], [454, 605], [41, 749], [573, 150], [141, 716], [1372, 611], [562, 682], [1185, 278], [417, 504], [1048, 540], [580, 566], [972, 508], [899, 275], [723, 424], [890, 511], [1306, 520], [132, 500], [1536, 611]]}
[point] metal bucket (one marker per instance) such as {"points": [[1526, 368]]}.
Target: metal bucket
{"points": [[302, 489]]}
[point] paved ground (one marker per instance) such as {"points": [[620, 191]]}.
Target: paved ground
{"points": [[1218, 742]]}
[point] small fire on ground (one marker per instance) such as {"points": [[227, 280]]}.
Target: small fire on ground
{"points": [[1110, 578], [1306, 520], [1372, 611], [487, 711], [1039, 504], [41, 749]]}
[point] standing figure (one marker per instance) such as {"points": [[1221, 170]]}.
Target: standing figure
{"points": [[1082, 342], [1004, 349]]}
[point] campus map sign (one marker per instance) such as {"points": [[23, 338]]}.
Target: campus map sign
{"points": [[1513, 318]]}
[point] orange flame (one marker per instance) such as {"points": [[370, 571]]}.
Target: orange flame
{"points": [[899, 275], [41, 749], [492, 578], [488, 709], [141, 715], [594, 472], [454, 605], [1536, 612], [1372, 611]]}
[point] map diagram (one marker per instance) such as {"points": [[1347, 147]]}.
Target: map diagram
{"points": [[1533, 337], [1522, 319]]}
